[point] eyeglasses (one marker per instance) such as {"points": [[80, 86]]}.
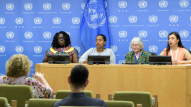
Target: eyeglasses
{"points": [[135, 45], [60, 38]]}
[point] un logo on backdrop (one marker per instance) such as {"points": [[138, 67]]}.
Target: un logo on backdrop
{"points": [[19, 20], [184, 3], [132, 19], [121, 61], [31, 63], [2, 20], [143, 33], [47, 35], [66, 6], [95, 14], [163, 4], [122, 34], [19, 49], [77, 48], [153, 48], [105, 4], [28, 35], [173, 18], [10, 6], [114, 48], [10, 35], [56, 20], [37, 20], [76, 20], [2, 49], [28, 6], [112, 19], [153, 19], [83, 5], [184, 33], [47, 6], [122, 4], [142, 4], [163, 33], [37, 49]]}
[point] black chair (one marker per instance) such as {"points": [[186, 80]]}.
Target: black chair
{"points": [[153, 54], [190, 52]]}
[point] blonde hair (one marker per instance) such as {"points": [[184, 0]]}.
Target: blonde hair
{"points": [[137, 40], [18, 65]]}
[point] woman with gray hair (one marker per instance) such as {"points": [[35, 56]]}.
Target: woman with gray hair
{"points": [[138, 55]]}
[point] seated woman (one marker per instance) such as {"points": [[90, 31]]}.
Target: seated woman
{"points": [[176, 50], [99, 50], [61, 45], [17, 70], [138, 55]]}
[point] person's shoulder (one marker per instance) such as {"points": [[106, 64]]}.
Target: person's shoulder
{"points": [[97, 101], [62, 102], [146, 53], [129, 53], [108, 49]]}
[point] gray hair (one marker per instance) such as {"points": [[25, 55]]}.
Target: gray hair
{"points": [[137, 40]]}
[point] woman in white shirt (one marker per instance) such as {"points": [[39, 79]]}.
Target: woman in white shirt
{"points": [[99, 50]]}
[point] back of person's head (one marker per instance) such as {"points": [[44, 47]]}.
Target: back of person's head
{"points": [[18, 65], [79, 76]]}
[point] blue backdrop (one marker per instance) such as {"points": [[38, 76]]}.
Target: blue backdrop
{"points": [[28, 26]]}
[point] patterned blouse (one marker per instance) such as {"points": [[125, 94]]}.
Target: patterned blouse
{"points": [[39, 90], [60, 51], [144, 58]]}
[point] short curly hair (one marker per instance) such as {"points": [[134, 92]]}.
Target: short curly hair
{"points": [[18, 65]]}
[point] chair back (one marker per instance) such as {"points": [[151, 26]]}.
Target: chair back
{"points": [[153, 54], [21, 93], [119, 104], [143, 98], [42, 102], [61, 94], [3, 102]]}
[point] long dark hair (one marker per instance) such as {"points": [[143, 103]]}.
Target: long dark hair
{"points": [[179, 43], [66, 38]]}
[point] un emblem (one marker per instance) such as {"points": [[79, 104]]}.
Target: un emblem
{"points": [[10, 35], [184, 33], [66, 6], [184, 3], [143, 33], [122, 34], [132, 19], [37, 20], [28, 35], [163, 4], [38, 49], [121, 61], [153, 19], [122, 4], [2, 20], [83, 5], [47, 35], [142, 4], [112, 19], [153, 48], [19, 49], [77, 48], [19, 20], [31, 63], [56, 20], [163, 33], [105, 4], [10, 6], [130, 49], [47, 6], [173, 18], [114, 48], [95, 14], [2, 49], [76, 20], [28, 6]]}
